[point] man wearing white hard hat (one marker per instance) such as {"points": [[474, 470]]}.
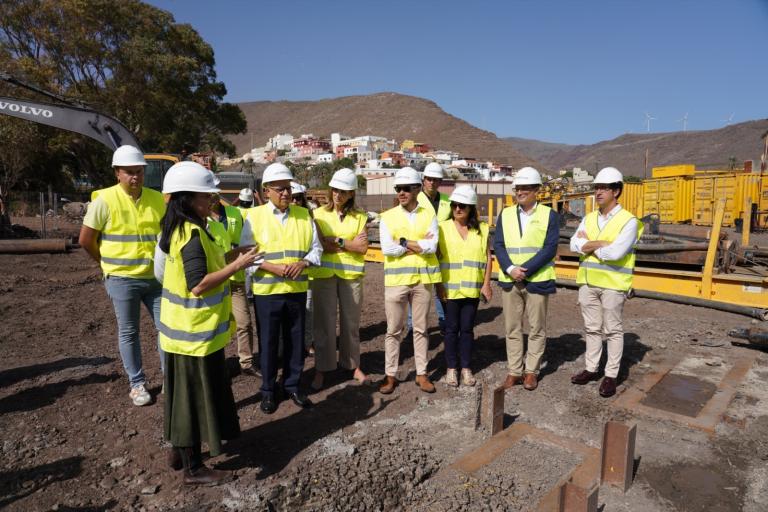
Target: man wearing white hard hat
{"points": [[409, 236], [120, 232], [287, 236], [465, 265], [605, 241], [245, 200], [431, 197], [525, 246]]}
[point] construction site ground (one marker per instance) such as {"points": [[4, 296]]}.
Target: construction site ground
{"points": [[71, 440]]}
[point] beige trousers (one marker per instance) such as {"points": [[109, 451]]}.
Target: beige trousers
{"points": [[602, 310], [244, 330], [396, 300], [516, 302], [335, 297]]}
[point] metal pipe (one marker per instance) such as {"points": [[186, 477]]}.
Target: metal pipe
{"points": [[663, 247], [52, 245], [760, 314]]}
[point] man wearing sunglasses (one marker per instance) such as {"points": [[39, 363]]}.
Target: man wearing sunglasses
{"points": [[287, 236], [525, 245], [409, 236]]}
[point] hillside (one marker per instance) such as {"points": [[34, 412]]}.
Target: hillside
{"points": [[387, 114], [536, 149], [706, 149]]}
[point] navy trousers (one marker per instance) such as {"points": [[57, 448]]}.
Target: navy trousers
{"points": [[459, 331], [283, 312]]}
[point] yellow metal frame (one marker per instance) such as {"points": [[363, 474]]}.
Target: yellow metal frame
{"points": [[738, 289]]}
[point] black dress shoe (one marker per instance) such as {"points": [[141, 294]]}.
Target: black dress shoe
{"points": [[268, 405], [300, 399], [584, 377]]}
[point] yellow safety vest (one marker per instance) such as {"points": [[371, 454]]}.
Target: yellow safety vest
{"points": [[412, 268], [191, 325], [522, 248], [233, 230], [443, 207], [281, 244], [345, 264], [463, 262], [127, 246], [614, 274]]}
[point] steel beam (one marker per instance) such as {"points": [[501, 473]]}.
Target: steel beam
{"points": [[618, 454]]}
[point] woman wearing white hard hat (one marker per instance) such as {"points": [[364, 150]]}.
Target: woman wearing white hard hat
{"points": [[338, 282], [196, 324], [465, 264]]}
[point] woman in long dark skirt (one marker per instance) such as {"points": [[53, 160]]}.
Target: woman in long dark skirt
{"points": [[196, 324]]}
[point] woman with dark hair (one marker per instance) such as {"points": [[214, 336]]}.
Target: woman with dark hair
{"points": [[196, 324], [337, 284], [465, 263]]}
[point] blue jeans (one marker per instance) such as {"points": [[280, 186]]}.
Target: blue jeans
{"points": [[127, 294], [459, 331]]}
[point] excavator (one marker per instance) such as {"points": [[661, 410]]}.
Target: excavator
{"points": [[79, 118]]}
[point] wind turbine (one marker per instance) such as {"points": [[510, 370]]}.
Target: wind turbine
{"points": [[728, 121], [648, 119], [684, 120]]}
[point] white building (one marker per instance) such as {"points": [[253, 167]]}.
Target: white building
{"points": [[281, 141], [375, 142], [581, 176], [326, 158]]}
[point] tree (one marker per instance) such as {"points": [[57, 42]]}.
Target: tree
{"points": [[126, 59]]}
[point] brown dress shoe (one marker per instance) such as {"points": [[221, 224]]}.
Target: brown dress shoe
{"points": [[206, 476], [512, 380], [425, 384], [584, 377], [388, 385], [530, 382], [607, 387]]}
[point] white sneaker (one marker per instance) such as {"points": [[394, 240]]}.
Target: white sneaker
{"points": [[451, 378], [467, 378], [140, 396]]}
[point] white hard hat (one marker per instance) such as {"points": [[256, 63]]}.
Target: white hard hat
{"points": [[297, 188], [246, 195], [126, 156], [344, 179], [189, 177], [407, 176], [609, 175], [464, 194], [276, 172], [434, 170], [527, 176]]}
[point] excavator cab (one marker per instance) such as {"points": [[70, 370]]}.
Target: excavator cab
{"points": [[157, 166]]}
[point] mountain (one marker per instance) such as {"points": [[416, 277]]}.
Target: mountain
{"points": [[706, 148], [386, 114]]}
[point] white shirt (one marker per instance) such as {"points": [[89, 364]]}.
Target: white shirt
{"points": [[312, 257], [524, 219], [618, 248], [391, 247]]}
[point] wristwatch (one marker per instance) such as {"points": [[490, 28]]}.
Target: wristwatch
{"points": [[403, 242], [340, 241]]}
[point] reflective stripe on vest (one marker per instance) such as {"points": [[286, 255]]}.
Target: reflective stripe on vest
{"points": [[127, 245], [443, 206], [191, 325], [462, 262], [344, 264], [224, 240], [281, 244], [411, 268], [521, 248], [615, 274]]}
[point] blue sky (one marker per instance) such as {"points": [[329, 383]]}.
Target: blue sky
{"points": [[563, 71]]}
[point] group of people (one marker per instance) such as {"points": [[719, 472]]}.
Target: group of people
{"points": [[197, 264]]}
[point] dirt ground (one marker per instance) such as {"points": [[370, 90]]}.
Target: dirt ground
{"points": [[71, 440]]}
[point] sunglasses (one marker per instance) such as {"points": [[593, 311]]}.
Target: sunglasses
{"points": [[459, 206], [405, 188], [281, 190]]}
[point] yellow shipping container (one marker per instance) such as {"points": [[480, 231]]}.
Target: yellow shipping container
{"points": [[672, 171], [671, 199], [734, 188], [632, 198]]}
